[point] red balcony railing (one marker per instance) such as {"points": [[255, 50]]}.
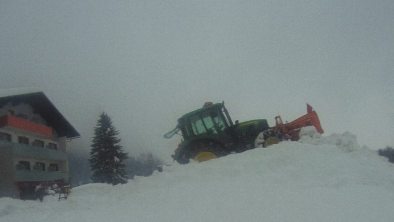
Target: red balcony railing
{"points": [[19, 123]]}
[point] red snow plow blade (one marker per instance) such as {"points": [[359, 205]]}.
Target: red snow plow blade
{"points": [[291, 130]]}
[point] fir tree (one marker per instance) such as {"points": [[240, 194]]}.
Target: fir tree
{"points": [[106, 155]]}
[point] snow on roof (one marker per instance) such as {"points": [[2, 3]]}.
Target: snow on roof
{"points": [[41, 104]]}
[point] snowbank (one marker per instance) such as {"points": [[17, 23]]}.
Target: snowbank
{"points": [[346, 142], [316, 179]]}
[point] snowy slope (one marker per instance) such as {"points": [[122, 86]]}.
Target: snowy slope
{"points": [[316, 179]]}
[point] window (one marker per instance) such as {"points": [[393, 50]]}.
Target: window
{"points": [[198, 125], [23, 165], [39, 166], [207, 122], [38, 143], [53, 167], [52, 146], [24, 140], [5, 136], [210, 124]]}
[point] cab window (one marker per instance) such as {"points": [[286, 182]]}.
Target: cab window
{"points": [[209, 122]]}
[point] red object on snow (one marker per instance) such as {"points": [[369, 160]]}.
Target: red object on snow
{"points": [[309, 108]]}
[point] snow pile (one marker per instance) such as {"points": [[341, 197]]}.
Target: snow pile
{"points": [[346, 142], [316, 179]]}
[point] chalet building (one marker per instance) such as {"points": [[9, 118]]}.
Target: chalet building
{"points": [[33, 143]]}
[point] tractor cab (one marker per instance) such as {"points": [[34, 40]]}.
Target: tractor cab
{"points": [[209, 121]]}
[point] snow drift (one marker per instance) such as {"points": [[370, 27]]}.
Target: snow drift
{"points": [[317, 178]]}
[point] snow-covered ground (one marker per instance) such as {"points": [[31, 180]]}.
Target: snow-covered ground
{"points": [[319, 178]]}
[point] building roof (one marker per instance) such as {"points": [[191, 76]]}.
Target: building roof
{"points": [[42, 105]]}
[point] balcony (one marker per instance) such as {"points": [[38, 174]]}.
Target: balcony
{"points": [[28, 151], [24, 124], [25, 175]]}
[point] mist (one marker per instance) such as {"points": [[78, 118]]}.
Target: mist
{"points": [[146, 63]]}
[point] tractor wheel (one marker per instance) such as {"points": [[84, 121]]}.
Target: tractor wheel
{"points": [[271, 141], [268, 138], [272, 137], [204, 150], [204, 156]]}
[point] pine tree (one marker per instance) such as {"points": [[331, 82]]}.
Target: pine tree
{"points": [[106, 155]]}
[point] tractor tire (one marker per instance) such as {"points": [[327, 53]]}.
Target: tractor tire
{"points": [[268, 138], [205, 150]]}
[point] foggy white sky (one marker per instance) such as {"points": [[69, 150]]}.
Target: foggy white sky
{"points": [[146, 63]]}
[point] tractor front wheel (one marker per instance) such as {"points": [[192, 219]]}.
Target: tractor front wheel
{"points": [[268, 138]]}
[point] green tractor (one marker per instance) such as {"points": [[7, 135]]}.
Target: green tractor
{"points": [[210, 133]]}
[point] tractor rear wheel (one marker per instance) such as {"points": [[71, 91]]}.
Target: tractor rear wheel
{"points": [[205, 150], [205, 156]]}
